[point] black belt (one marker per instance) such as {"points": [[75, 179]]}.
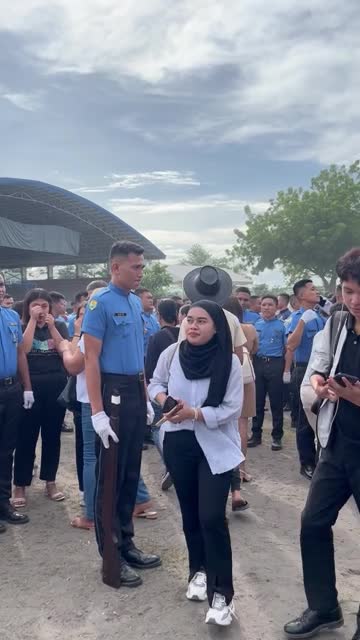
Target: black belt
{"points": [[7, 382], [269, 358], [138, 377]]}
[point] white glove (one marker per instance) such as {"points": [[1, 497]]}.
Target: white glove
{"points": [[150, 413], [286, 377], [309, 315], [28, 399], [101, 423]]}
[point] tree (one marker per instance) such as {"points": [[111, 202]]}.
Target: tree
{"points": [[198, 257], [303, 232], [156, 278]]}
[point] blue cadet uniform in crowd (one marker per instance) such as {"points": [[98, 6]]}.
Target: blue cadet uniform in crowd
{"points": [[151, 326], [250, 317], [11, 401], [304, 433], [71, 324], [114, 316], [269, 367], [284, 314]]}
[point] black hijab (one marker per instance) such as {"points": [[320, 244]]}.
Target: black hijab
{"points": [[211, 360]]}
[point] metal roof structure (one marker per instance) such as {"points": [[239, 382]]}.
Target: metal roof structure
{"points": [[38, 203]]}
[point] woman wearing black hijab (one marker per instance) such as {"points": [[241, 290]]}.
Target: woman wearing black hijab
{"points": [[202, 446]]}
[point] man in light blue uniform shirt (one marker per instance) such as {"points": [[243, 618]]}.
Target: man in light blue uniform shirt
{"points": [[79, 299], [303, 326], [269, 364], [114, 359], [12, 399], [244, 296], [151, 324]]}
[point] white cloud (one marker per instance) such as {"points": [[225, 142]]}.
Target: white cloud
{"points": [[25, 101], [294, 66], [136, 180]]}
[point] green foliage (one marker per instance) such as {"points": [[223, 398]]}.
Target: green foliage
{"points": [[198, 257], [156, 278], [303, 232]]}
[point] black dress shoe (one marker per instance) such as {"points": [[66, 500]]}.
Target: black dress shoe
{"points": [[2, 528], [253, 442], [136, 558], [11, 516], [276, 445], [307, 471], [311, 622], [129, 577]]}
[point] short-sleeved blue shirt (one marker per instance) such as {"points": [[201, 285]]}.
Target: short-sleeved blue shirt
{"points": [[115, 317], [303, 352], [151, 326], [250, 317], [272, 338], [10, 337]]}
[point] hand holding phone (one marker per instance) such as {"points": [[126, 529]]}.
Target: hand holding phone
{"points": [[339, 379], [170, 408]]}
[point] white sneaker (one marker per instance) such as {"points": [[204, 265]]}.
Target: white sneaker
{"points": [[220, 613], [197, 587]]}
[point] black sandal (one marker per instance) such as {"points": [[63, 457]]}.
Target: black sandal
{"points": [[240, 505]]}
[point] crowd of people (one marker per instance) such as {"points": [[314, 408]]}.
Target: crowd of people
{"points": [[194, 375]]}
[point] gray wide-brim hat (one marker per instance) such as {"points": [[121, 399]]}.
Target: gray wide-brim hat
{"points": [[208, 283]]}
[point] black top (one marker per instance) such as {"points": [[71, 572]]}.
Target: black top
{"points": [[348, 415], [158, 342], [43, 358]]}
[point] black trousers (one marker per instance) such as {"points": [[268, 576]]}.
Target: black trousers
{"points": [[202, 497], [269, 380], [305, 437], [46, 415], [131, 438], [336, 478], [11, 407], [79, 446]]}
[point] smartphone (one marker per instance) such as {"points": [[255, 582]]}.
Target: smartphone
{"points": [[170, 404], [351, 379]]}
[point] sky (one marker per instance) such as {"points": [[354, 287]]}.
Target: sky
{"points": [[175, 115]]}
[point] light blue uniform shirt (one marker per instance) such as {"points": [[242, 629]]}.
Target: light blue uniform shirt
{"points": [[151, 326], [303, 352], [272, 338], [250, 317], [10, 337], [115, 317]]}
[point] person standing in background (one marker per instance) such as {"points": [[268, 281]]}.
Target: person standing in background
{"points": [[8, 301], [244, 296], [151, 324], [283, 307]]}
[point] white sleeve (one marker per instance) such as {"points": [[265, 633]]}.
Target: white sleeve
{"points": [[320, 359], [159, 381], [232, 403]]}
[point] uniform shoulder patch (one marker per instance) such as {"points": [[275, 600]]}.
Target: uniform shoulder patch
{"points": [[92, 305]]}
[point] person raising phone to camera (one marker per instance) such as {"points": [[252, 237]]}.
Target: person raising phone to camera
{"points": [[337, 475]]}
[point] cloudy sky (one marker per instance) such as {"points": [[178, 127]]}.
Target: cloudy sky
{"points": [[174, 115]]}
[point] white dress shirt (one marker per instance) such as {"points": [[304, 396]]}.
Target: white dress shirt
{"points": [[218, 436]]}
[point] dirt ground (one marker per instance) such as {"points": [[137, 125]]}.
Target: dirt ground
{"points": [[51, 587]]}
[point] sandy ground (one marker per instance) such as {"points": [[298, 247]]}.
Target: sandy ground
{"points": [[51, 587]]}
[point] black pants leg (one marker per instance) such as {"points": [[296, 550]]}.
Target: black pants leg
{"points": [[275, 370], [261, 391], [11, 402], [131, 438], [305, 437], [202, 497], [336, 477], [28, 434], [79, 447], [51, 423]]}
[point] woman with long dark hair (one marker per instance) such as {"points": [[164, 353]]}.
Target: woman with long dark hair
{"points": [[42, 337], [202, 447]]}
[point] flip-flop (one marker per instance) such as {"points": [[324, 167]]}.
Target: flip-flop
{"points": [[58, 496], [245, 476], [18, 503], [79, 522], [240, 505], [147, 514]]}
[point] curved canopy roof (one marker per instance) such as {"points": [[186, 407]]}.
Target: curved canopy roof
{"points": [[37, 203]]}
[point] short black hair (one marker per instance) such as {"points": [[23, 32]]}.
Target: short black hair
{"points": [[184, 309], [96, 284], [177, 299], [285, 296], [233, 305], [300, 284], [270, 296], [243, 290], [7, 296], [141, 290], [348, 266], [254, 297], [81, 294], [125, 248], [168, 310], [56, 296]]}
